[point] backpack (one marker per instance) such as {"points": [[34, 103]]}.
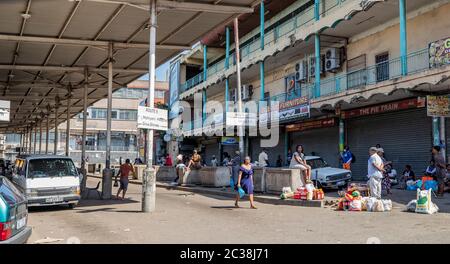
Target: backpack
{"points": [[353, 158]]}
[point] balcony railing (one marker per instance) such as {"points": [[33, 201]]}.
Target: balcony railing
{"points": [[302, 19]]}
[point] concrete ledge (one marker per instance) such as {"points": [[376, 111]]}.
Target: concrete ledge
{"points": [[227, 192]]}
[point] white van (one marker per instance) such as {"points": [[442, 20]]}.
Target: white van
{"points": [[47, 180]]}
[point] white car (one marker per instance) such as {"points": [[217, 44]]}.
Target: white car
{"points": [[47, 180], [325, 176]]}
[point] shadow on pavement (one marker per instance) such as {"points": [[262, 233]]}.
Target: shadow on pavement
{"points": [[224, 207], [88, 203], [49, 208]]}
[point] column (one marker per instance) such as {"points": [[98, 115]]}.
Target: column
{"points": [[204, 99], [30, 139], [317, 10], [286, 146], [56, 139], [341, 135], [403, 37], [149, 181], [318, 66], [442, 136], [239, 86], [107, 172], [205, 62], [436, 136], [40, 137], [261, 63], [69, 91], [227, 66], [35, 138], [47, 133], [83, 137]]}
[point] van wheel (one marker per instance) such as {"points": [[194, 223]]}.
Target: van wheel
{"points": [[71, 206]]}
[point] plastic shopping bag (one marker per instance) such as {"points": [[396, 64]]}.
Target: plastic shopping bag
{"points": [[378, 206], [411, 206], [387, 205], [355, 205], [231, 182], [241, 192], [424, 204]]}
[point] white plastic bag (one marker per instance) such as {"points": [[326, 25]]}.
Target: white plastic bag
{"points": [[286, 190], [370, 204], [411, 206], [387, 204], [310, 187], [378, 206]]}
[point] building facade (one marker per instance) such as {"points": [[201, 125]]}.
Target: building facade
{"points": [[126, 140], [364, 67]]}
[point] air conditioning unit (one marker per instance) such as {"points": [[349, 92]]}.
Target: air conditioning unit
{"points": [[332, 59], [301, 70], [312, 65]]}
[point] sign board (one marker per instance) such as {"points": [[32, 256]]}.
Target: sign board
{"points": [[292, 109], [229, 140], [439, 52], [385, 108], [152, 118], [438, 106], [329, 122], [4, 110], [241, 119]]}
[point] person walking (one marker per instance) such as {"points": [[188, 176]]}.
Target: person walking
{"points": [[374, 173], [298, 162], [245, 181], [180, 170], [124, 173], [263, 159], [441, 170], [347, 158]]}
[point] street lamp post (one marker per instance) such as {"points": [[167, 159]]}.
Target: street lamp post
{"points": [[239, 86]]}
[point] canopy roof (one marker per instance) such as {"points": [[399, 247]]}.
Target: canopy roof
{"points": [[46, 45]]}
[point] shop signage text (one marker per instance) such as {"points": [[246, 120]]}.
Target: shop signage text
{"points": [[296, 108], [438, 106], [329, 122], [230, 140], [384, 108], [439, 52]]}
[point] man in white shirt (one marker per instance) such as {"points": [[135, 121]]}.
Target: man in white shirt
{"points": [[374, 173], [263, 159]]}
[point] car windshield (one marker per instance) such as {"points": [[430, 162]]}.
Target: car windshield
{"points": [[43, 168], [317, 163], [9, 192]]}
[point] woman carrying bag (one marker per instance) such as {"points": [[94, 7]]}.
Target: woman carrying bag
{"points": [[245, 183]]}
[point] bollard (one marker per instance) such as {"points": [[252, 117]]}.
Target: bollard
{"points": [[106, 184]]}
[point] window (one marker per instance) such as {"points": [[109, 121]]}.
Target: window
{"points": [[129, 93], [382, 67], [159, 94], [356, 72], [114, 114]]}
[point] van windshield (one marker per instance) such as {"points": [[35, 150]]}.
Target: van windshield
{"points": [[43, 168]]}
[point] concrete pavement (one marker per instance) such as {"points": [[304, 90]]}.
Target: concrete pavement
{"points": [[185, 217]]}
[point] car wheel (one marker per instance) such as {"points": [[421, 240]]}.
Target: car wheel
{"points": [[72, 205]]}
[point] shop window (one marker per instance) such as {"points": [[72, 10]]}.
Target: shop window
{"points": [[382, 67]]}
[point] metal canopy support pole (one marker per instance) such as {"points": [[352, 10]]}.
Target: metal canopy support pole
{"points": [[21, 143], [318, 66], [442, 135], [30, 139], [40, 137], [341, 135], [403, 37], [56, 139], [35, 138], [149, 183], [436, 136], [83, 137], [239, 86], [47, 133], [69, 91], [107, 172]]}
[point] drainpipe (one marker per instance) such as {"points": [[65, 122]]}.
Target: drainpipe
{"points": [[403, 37]]}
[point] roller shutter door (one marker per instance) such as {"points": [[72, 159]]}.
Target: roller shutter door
{"points": [[273, 152], [405, 136], [323, 142]]}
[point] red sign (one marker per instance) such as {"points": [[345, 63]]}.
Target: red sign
{"points": [[329, 122], [385, 108]]}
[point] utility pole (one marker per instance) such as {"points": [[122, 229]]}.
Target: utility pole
{"points": [[149, 182]]}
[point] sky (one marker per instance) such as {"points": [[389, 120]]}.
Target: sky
{"points": [[160, 73]]}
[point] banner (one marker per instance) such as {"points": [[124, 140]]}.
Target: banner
{"points": [[152, 118], [329, 122], [292, 109], [438, 106], [439, 52], [174, 88]]}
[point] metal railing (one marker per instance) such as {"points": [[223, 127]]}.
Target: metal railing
{"points": [[303, 19]]}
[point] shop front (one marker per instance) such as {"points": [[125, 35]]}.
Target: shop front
{"points": [[402, 128], [318, 137]]}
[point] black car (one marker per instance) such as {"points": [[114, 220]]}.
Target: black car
{"points": [[13, 214]]}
